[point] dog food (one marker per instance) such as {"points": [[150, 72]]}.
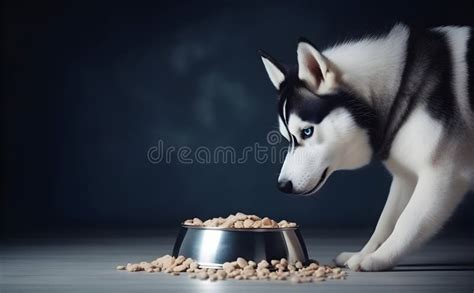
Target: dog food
{"points": [[240, 221], [241, 269]]}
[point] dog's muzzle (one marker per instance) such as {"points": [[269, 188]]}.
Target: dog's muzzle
{"points": [[285, 186]]}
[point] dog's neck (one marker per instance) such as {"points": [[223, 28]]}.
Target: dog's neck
{"points": [[372, 68]]}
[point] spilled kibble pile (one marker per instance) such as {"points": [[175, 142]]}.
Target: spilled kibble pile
{"points": [[240, 221], [241, 269]]}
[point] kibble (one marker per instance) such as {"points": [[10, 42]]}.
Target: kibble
{"points": [[257, 224], [228, 267], [295, 279], [197, 221], [242, 263], [202, 276], [193, 265], [180, 268], [248, 223], [263, 264], [241, 269], [240, 221]]}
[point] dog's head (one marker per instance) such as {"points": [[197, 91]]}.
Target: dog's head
{"points": [[327, 127]]}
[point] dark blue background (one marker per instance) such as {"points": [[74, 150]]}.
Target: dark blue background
{"points": [[88, 88]]}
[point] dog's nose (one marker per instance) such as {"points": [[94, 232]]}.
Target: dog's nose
{"points": [[285, 186]]}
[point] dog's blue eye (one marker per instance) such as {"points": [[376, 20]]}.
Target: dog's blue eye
{"points": [[307, 132]]}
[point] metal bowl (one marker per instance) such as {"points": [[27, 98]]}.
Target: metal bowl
{"points": [[211, 247]]}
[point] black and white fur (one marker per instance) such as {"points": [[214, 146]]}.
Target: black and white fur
{"points": [[407, 98]]}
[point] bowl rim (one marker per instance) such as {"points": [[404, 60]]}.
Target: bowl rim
{"points": [[240, 229]]}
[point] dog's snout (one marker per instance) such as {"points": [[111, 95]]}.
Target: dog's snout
{"points": [[285, 186]]}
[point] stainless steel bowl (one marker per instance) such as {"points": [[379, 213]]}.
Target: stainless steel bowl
{"points": [[211, 247]]}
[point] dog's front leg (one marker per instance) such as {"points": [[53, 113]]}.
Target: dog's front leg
{"points": [[400, 191], [436, 195]]}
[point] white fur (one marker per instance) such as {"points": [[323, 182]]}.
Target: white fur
{"points": [[310, 61], [431, 170], [424, 193], [337, 143], [373, 66], [416, 142], [275, 75]]}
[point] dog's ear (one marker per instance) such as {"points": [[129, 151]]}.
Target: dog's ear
{"points": [[276, 72], [314, 69]]}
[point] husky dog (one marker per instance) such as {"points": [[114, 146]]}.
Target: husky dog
{"points": [[406, 98]]}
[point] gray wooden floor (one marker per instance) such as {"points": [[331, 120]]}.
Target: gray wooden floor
{"points": [[87, 264]]}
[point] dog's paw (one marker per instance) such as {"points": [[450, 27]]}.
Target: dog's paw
{"points": [[342, 258], [369, 263], [354, 261], [374, 263]]}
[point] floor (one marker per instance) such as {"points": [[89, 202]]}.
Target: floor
{"points": [[87, 264]]}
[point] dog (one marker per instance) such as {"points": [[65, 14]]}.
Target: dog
{"points": [[406, 98]]}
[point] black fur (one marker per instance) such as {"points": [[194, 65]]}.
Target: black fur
{"points": [[427, 64], [286, 91], [285, 94], [441, 103], [402, 103], [426, 81], [315, 108], [283, 91]]}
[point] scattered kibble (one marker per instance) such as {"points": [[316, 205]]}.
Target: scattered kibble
{"points": [[202, 276], [240, 221], [241, 269]]}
